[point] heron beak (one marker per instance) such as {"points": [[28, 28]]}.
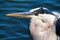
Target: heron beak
{"points": [[18, 14], [22, 14]]}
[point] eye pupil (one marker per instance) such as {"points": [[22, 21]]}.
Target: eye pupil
{"points": [[36, 13]]}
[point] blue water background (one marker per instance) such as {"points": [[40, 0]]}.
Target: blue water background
{"points": [[16, 28]]}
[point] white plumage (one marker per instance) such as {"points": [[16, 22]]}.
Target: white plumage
{"points": [[44, 29]]}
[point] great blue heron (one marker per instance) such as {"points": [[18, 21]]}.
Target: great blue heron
{"points": [[43, 22]]}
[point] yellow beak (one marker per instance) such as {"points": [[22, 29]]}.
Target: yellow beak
{"points": [[24, 15]]}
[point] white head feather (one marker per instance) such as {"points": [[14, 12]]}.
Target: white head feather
{"points": [[34, 9]]}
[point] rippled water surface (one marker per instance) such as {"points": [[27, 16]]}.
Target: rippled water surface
{"points": [[16, 28]]}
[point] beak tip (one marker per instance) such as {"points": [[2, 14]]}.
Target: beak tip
{"points": [[7, 14]]}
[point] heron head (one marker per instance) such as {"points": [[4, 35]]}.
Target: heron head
{"points": [[31, 13]]}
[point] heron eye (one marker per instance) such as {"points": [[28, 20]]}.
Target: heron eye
{"points": [[36, 13]]}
